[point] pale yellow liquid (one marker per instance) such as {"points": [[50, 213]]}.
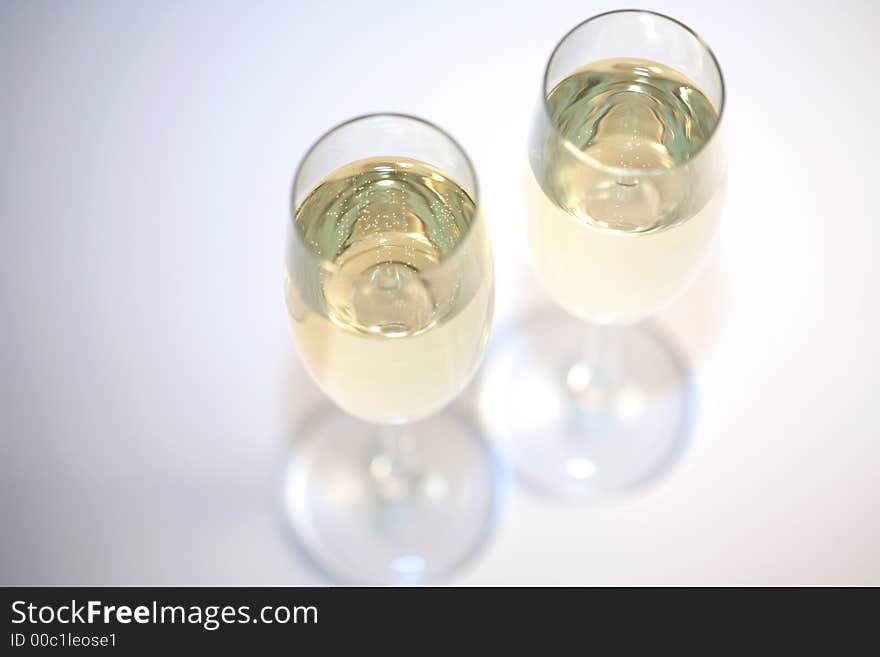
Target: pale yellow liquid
{"points": [[397, 328], [627, 210], [613, 277]]}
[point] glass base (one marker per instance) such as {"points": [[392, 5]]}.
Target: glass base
{"points": [[578, 432], [367, 511]]}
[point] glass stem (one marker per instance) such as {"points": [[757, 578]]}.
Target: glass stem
{"points": [[595, 375], [396, 445], [394, 467]]}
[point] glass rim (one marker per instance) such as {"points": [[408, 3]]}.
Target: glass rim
{"points": [[330, 265], [580, 154]]}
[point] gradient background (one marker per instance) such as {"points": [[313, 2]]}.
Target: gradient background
{"points": [[149, 381]]}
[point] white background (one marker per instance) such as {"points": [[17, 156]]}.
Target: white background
{"points": [[149, 381]]}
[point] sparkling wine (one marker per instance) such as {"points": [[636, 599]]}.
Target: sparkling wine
{"points": [[621, 190], [392, 302]]}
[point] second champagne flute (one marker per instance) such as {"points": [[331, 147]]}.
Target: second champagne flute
{"points": [[390, 296], [624, 185]]}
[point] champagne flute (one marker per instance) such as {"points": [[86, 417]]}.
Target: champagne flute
{"points": [[624, 186], [390, 294]]}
